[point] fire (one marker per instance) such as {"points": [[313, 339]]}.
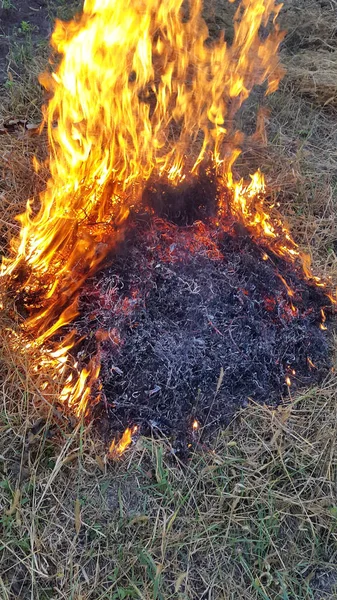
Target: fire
{"points": [[117, 448], [322, 325], [310, 363], [195, 425], [140, 92], [137, 88]]}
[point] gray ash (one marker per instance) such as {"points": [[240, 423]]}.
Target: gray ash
{"points": [[177, 306]]}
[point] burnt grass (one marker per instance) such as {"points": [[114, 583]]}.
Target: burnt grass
{"points": [[193, 322]]}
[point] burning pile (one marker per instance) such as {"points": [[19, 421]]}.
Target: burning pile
{"points": [[194, 322], [141, 126]]}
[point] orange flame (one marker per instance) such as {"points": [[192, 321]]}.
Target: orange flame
{"points": [[322, 325], [118, 448], [195, 425], [139, 92], [137, 87], [310, 363]]}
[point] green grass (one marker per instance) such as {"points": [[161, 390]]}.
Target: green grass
{"points": [[7, 4]]}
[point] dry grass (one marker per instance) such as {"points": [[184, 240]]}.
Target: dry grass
{"points": [[300, 164], [309, 24], [314, 74], [253, 517]]}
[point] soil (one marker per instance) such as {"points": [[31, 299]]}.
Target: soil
{"points": [[324, 584], [13, 29], [25, 27]]}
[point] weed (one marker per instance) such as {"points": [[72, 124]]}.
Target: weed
{"points": [[7, 4], [27, 28]]}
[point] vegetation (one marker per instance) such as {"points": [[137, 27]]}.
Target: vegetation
{"points": [[254, 516]]}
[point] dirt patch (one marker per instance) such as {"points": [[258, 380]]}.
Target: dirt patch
{"points": [[324, 584], [25, 30], [23, 25]]}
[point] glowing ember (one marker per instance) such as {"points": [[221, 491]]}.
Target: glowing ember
{"points": [[322, 325], [140, 95]]}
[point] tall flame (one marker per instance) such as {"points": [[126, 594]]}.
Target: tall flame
{"points": [[140, 91], [138, 88]]}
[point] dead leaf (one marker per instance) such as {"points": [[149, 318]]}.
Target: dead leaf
{"points": [[100, 463], [70, 458], [286, 413], [32, 126], [275, 436], [155, 390], [78, 519], [179, 581], [209, 469], [15, 503], [220, 380], [139, 519], [18, 519], [13, 125]]}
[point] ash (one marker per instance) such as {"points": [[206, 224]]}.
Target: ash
{"points": [[194, 323]]}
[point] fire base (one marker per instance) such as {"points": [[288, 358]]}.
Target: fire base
{"points": [[193, 323]]}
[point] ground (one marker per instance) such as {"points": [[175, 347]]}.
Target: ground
{"points": [[252, 515]]}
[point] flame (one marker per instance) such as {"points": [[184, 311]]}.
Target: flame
{"points": [[138, 86], [195, 425], [322, 324], [310, 363], [139, 92], [290, 292], [118, 448]]}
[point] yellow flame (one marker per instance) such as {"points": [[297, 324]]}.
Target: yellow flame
{"points": [[118, 448], [138, 86], [310, 363], [322, 324], [139, 92]]}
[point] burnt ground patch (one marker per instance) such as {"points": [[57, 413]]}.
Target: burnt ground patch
{"points": [[193, 323]]}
